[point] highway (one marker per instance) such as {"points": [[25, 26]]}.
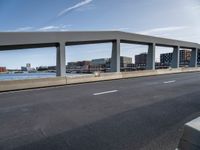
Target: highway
{"points": [[145, 113]]}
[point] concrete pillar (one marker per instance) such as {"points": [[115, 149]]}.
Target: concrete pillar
{"points": [[151, 57], [193, 59], [198, 57], [60, 60], [115, 58], [175, 57]]}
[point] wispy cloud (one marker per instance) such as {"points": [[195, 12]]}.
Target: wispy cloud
{"points": [[21, 29], [86, 7], [120, 29], [76, 6], [162, 31], [196, 7], [55, 28], [45, 28], [115, 29]]}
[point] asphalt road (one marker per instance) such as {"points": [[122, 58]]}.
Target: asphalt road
{"points": [[130, 114]]}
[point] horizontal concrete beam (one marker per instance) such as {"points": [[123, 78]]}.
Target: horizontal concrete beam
{"points": [[18, 47], [48, 82], [12, 40], [130, 37]]}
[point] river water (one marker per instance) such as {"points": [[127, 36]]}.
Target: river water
{"points": [[22, 76]]}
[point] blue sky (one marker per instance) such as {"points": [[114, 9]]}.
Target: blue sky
{"points": [[177, 19]]}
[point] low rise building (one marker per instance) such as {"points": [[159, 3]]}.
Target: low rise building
{"points": [[27, 68], [124, 61], [79, 66], [166, 59], [73, 65], [101, 64], [42, 68], [141, 59], [100, 61], [185, 56], [3, 69]]}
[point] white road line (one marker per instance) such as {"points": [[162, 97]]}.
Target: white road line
{"points": [[167, 82], [106, 92]]}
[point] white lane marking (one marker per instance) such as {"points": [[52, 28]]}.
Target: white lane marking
{"points": [[167, 82], [106, 92]]}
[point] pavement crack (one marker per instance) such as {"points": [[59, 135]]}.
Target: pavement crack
{"points": [[43, 133]]}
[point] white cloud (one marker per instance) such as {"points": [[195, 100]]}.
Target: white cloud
{"points": [[86, 7], [21, 29], [55, 28], [78, 5], [45, 28], [120, 29], [162, 31], [114, 29], [197, 7]]}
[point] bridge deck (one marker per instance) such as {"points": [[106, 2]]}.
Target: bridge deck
{"points": [[13, 40], [143, 113]]}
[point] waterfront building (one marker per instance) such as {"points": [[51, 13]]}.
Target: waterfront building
{"points": [[3, 69], [185, 56], [79, 66], [124, 61], [101, 64], [27, 68], [166, 59], [105, 62], [141, 59], [23, 68], [100, 61], [72, 65], [42, 68]]}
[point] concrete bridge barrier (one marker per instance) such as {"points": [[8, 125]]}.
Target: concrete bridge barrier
{"points": [[94, 78], [31, 83], [191, 136], [58, 81]]}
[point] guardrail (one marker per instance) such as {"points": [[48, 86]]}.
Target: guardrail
{"points": [[58, 81]]}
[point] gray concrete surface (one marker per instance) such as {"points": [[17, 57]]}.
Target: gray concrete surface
{"points": [[10, 40], [151, 57], [115, 58], [194, 57], [145, 113], [22, 40], [191, 136], [11, 85], [47, 82], [176, 57], [60, 60]]}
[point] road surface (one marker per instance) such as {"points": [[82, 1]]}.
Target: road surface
{"points": [[145, 113]]}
